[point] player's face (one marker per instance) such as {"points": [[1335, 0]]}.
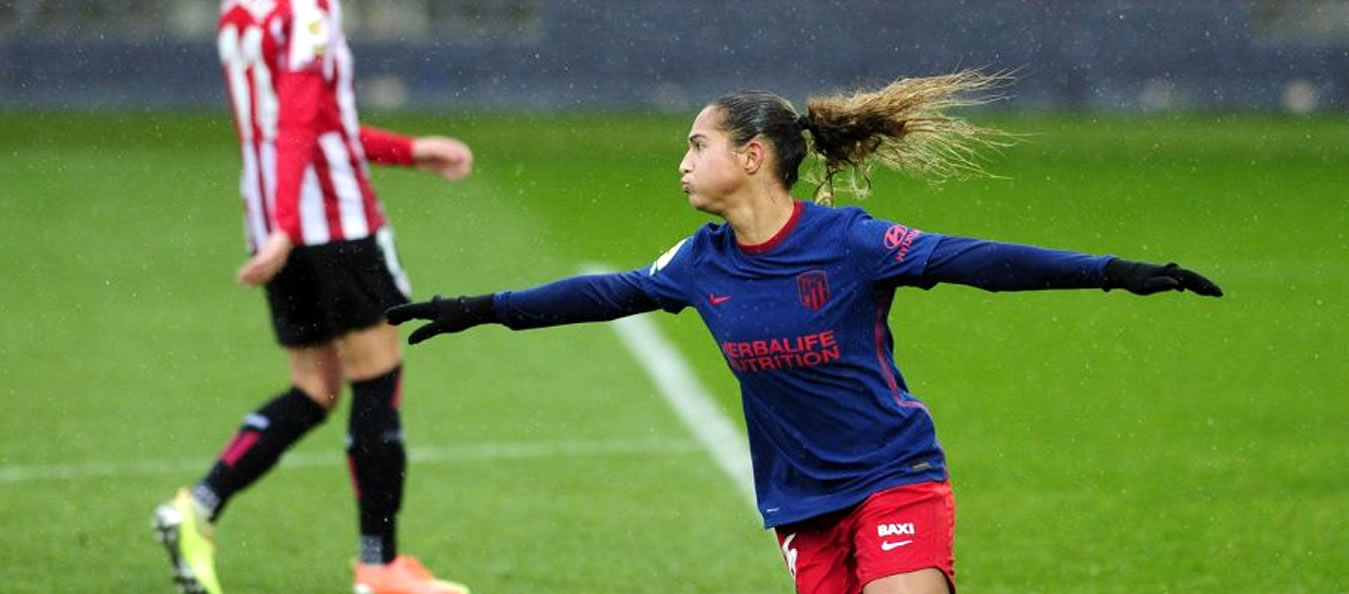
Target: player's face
{"points": [[712, 169]]}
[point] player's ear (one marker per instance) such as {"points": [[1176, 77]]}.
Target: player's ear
{"points": [[753, 155]]}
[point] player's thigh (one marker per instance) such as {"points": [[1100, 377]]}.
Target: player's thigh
{"points": [[303, 328], [296, 302], [369, 352], [317, 371], [923, 581], [362, 280]]}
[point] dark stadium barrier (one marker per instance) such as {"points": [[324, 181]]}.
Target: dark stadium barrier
{"points": [[675, 54]]}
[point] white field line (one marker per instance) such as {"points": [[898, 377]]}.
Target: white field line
{"points": [[418, 455], [686, 395], [668, 369]]}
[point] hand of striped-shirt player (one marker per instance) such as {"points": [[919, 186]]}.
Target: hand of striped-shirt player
{"points": [[447, 157]]}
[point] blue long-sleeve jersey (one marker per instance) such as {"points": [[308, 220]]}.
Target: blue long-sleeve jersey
{"points": [[802, 322]]}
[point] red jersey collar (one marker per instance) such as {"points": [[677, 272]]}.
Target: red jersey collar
{"points": [[778, 237]]}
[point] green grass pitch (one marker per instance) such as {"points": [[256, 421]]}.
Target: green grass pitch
{"points": [[1098, 442]]}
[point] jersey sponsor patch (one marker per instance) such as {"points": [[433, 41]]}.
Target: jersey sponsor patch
{"points": [[664, 259], [892, 529], [774, 354], [899, 238]]}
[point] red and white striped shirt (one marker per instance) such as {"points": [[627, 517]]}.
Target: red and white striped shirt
{"points": [[288, 71]]}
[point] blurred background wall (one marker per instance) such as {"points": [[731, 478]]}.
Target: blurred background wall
{"points": [[1144, 55]]}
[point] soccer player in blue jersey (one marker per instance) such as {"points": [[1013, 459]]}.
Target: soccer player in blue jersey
{"points": [[847, 466]]}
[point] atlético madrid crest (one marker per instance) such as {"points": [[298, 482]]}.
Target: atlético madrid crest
{"points": [[813, 289]]}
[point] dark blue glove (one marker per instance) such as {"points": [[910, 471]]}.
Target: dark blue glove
{"points": [[446, 315], [1141, 278]]}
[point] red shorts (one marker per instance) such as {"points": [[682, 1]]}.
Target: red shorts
{"points": [[898, 530]]}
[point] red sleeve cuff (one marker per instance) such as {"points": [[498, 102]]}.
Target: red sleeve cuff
{"points": [[386, 148]]}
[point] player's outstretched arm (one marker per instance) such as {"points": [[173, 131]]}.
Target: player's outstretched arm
{"points": [[999, 266], [445, 315], [1141, 278], [574, 300], [447, 157]]}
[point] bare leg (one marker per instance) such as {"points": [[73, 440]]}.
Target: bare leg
{"points": [[369, 352], [317, 370], [923, 581]]}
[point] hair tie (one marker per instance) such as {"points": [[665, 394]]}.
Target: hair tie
{"points": [[805, 122]]}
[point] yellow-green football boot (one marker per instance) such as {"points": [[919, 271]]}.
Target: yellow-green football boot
{"points": [[182, 525]]}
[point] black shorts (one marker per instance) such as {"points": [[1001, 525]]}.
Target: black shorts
{"points": [[328, 290]]}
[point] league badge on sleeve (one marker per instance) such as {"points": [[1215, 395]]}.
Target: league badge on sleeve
{"points": [[665, 258]]}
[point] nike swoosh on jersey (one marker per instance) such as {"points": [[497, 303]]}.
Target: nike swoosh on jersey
{"points": [[889, 546], [718, 300]]}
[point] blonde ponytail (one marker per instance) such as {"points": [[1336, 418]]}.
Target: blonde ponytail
{"points": [[903, 127]]}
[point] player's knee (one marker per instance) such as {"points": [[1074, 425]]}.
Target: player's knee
{"points": [[370, 352], [323, 391]]}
